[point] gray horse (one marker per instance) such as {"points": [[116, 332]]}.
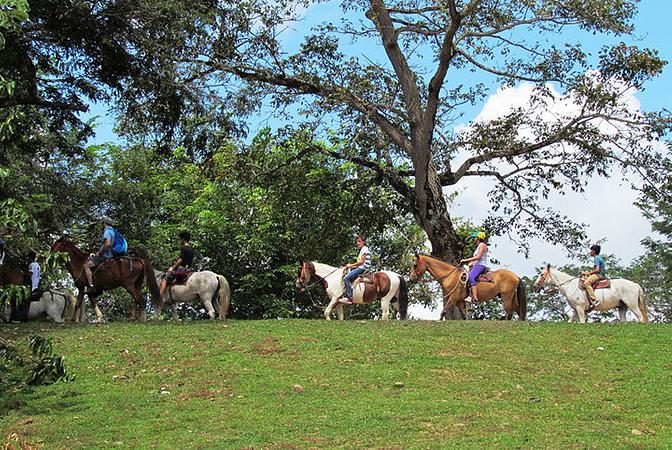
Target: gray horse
{"points": [[211, 288], [57, 305]]}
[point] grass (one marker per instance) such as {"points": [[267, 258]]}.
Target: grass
{"points": [[353, 384]]}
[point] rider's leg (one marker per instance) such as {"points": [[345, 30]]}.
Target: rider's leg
{"points": [[588, 284], [474, 273], [348, 279], [88, 265]]}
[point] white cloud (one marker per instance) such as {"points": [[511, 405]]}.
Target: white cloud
{"points": [[606, 207]]}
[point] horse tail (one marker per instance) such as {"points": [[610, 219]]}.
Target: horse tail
{"points": [[402, 297], [70, 305], [224, 296], [151, 282], [521, 295], [642, 306]]}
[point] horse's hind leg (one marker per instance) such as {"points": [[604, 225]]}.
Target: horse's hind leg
{"points": [[99, 314], [622, 310], [385, 307], [508, 306], [327, 311], [139, 301], [209, 308], [635, 310]]}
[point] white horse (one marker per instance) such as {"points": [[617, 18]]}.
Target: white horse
{"points": [[385, 286], [211, 288], [622, 294], [59, 306]]}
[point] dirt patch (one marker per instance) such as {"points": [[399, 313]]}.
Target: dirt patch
{"points": [[267, 346]]}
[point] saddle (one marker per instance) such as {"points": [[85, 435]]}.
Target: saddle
{"points": [[604, 283], [366, 278], [486, 277], [180, 276]]}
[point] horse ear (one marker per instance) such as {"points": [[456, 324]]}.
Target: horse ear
{"points": [[548, 266]]}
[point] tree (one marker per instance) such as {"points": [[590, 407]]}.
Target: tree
{"points": [[394, 115]]}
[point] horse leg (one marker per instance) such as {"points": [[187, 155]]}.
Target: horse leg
{"points": [[634, 307], [330, 306], [573, 317], [385, 307], [339, 311], [139, 300], [173, 308], [96, 310], [82, 309], [622, 310], [209, 308], [508, 305], [581, 313]]}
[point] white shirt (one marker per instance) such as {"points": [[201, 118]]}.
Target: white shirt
{"points": [[367, 260], [34, 269]]}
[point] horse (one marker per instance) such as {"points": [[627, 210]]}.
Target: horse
{"points": [[622, 294], [127, 272], [386, 286], [57, 305], [453, 280], [213, 290]]}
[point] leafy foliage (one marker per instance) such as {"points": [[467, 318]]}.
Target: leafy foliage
{"points": [[36, 365]]}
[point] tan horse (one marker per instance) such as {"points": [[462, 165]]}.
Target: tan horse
{"points": [[453, 280]]}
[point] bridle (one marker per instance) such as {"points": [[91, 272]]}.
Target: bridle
{"points": [[541, 283]]}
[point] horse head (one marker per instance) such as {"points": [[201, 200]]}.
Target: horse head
{"points": [[306, 270], [418, 269], [543, 279], [61, 243]]}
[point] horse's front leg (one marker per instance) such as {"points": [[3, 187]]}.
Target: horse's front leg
{"points": [[99, 314], [339, 311], [173, 308], [330, 307]]}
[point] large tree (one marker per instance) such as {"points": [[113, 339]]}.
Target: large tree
{"points": [[394, 106]]}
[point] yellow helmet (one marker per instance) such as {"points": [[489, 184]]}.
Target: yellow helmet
{"points": [[479, 234]]}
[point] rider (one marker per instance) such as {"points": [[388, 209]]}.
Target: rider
{"points": [[183, 262], [478, 263], [103, 254], [598, 273], [358, 267]]}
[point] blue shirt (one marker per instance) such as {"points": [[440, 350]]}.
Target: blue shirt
{"points": [[109, 235], [599, 262]]}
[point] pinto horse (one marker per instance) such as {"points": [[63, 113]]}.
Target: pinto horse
{"points": [[129, 273], [622, 294], [385, 286], [453, 280]]}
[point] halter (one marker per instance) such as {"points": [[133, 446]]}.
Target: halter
{"points": [[462, 280]]}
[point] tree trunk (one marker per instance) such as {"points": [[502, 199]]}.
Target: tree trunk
{"points": [[432, 213]]}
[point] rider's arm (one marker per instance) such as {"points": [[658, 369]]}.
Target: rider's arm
{"points": [[104, 247], [359, 262], [479, 252], [177, 264]]}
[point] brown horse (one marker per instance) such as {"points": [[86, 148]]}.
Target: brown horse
{"points": [[129, 273], [453, 280]]}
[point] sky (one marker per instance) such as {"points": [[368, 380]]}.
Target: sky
{"points": [[606, 207]]}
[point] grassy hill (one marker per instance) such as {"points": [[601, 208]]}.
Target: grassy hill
{"points": [[317, 384]]}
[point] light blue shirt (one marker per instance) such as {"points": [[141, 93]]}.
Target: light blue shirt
{"points": [[599, 262], [109, 235]]}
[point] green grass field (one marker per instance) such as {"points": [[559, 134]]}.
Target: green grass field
{"points": [[318, 384]]}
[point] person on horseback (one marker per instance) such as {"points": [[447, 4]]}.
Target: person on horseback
{"points": [[109, 236], [358, 267], [182, 264], [593, 276], [478, 263]]}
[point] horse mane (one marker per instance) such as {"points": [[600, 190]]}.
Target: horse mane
{"points": [[438, 259], [67, 243]]}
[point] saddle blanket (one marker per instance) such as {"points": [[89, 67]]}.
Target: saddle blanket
{"points": [[602, 284], [486, 277]]}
